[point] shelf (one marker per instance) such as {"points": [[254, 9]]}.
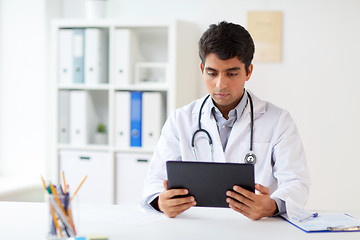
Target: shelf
{"points": [[133, 150], [108, 23], [133, 87], [84, 86], [89, 147], [144, 87], [93, 147]]}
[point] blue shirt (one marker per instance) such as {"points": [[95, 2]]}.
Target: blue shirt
{"points": [[224, 125]]}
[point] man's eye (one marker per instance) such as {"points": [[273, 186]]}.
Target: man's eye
{"points": [[212, 74], [232, 74]]}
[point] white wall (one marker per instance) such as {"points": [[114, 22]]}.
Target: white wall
{"points": [[24, 88], [23, 85], [1, 76], [317, 81]]}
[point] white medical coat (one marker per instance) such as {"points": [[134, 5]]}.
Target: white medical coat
{"points": [[281, 163]]}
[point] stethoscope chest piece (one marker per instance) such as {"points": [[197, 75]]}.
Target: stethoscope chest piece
{"points": [[250, 158]]}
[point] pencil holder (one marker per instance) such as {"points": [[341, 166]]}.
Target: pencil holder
{"points": [[63, 217]]}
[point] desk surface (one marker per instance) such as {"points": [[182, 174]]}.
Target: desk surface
{"points": [[29, 221]]}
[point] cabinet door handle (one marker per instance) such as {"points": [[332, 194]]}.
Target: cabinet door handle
{"points": [[142, 160], [84, 158]]}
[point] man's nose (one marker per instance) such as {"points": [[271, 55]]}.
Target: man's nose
{"points": [[221, 81]]}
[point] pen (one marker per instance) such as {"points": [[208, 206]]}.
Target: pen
{"points": [[314, 215], [344, 228]]}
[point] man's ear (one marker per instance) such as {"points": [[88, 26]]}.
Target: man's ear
{"points": [[202, 67], [250, 70]]}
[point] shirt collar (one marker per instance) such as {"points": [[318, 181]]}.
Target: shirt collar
{"points": [[238, 110]]}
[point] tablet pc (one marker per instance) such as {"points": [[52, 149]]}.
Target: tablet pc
{"points": [[208, 181]]}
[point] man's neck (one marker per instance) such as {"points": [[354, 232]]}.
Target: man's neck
{"points": [[226, 109]]}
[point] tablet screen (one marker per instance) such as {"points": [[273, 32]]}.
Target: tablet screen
{"points": [[208, 182]]}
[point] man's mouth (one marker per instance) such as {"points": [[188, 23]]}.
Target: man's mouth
{"points": [[221, 95]]}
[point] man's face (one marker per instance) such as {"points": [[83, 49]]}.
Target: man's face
{"points": [[225, 80]]}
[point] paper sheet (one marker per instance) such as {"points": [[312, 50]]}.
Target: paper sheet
{"points": [[296, 212]]}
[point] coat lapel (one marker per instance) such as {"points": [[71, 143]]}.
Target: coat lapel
{"points": [[241, 128]]}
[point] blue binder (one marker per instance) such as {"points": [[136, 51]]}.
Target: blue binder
{"points": [[78, 53], [135, 119]]}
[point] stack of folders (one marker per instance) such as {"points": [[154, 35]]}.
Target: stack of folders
{"points": [[77, 117], [83, 55], [139, 117]]}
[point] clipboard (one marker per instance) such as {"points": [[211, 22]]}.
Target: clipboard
{"points": [[326, 222]]}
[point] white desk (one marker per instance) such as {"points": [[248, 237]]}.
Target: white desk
{"points": [[29, 221]]}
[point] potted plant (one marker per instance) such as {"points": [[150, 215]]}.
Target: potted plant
{"points": [[100, 135]]}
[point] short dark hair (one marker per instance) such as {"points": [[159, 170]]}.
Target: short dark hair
{"points": [[227, 40]]}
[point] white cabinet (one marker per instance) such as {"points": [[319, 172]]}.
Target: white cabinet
{"points": [[97, 166], [98, 69], [130, 173]]}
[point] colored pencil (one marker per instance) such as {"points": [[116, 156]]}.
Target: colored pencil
{"points": [[72, 197], [63, 177]]}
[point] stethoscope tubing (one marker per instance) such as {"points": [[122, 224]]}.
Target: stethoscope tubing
{"points": [[250, 157], [251, 121]]}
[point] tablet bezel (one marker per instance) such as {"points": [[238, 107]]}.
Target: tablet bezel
{"points": [[209, 181]]}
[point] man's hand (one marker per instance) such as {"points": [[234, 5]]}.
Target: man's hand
{"points": [[251, 205], [174, 206]]}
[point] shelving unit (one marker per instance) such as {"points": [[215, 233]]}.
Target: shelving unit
{"points": [[166, 51]]}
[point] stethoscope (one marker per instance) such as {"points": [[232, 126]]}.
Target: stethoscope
{"points": [[250, 157]]}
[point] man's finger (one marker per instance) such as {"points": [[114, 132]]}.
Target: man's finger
{"points": [[239, 207], [174, 206], [179, 209], [262, 189], [165, 183], [239, 197], [175, 192], [244, 192], [181, 201]]}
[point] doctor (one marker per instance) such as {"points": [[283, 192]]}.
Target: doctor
{"points": [[226, 51]]}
